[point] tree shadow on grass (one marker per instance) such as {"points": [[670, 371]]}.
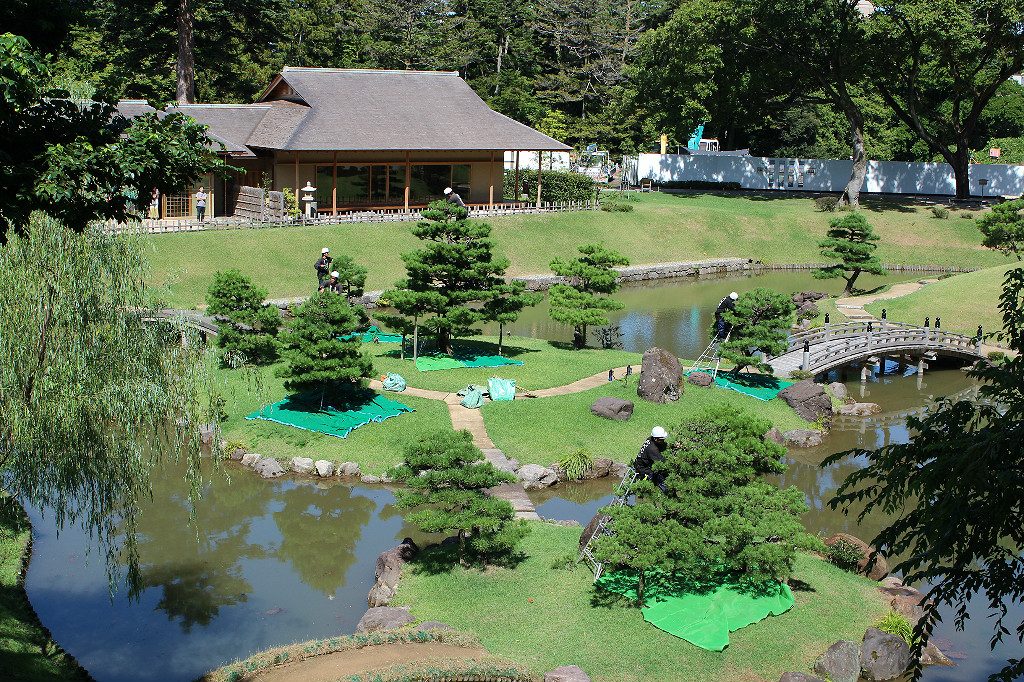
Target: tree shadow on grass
{"points": [[798, 585], [468, 348], [443, 559]]}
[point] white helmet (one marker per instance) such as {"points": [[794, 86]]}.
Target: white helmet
{"points": [[734, 295], [447, 190], [335, 274], [658, 432], [325, 250]]}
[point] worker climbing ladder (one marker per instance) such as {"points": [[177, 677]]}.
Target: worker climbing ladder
{"points": [[622, 492], [711, 359]]}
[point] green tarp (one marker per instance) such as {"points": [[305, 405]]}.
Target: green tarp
{"points": [[760, 386], [337, 418], [429, 363], [394, 382], [374, 335], [703, 617], [472, 397]]}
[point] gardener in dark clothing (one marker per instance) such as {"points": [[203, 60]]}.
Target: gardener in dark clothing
{"points": [[453, 197], [323, 266], [722, 327], [650, 452], [331, 284]]}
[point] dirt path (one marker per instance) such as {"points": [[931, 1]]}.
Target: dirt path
{"points": [[585, 384], [853, 306], [342, 664]]}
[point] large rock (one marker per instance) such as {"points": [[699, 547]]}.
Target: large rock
{"points": [[249, 459], [802, 438], [567, 673], [808, 399], [932, 655], [807, 311], [660, 376], [237, 454], [599, 468], [613, 408], [859, 409], [388, 571], [302, 465], [324, 468], [534, 476], [700, 379], [879, 567], [808, 296], [905, 600], [588, 531], [618, 469], [774, 435], [839, 390], [369, 479], [799, 677], [500, 462], [383, 618], [207, 432], [841, 663], [348, 469], [883, 656], [268, 467]]}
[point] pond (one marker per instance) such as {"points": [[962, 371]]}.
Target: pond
{"points": [[287, 560]]}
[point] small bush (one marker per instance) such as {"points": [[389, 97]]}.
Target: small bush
{"points": [[997, 357], [940, 212], [609, 337], [845, 555], [899, 625], [967, 216], [826, 204], [291, 203], [800, 375], [616, 207], [233, 445], [576, 464]]}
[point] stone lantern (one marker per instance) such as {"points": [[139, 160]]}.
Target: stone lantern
{"points": [[309, 200]]}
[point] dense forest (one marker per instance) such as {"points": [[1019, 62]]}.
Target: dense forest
{"points": [[901, 79]]}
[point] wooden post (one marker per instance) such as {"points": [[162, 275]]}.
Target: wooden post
{"points": [[408, 183], [334, 186], [297, 180], [490, 190], [518, 185], [540, 167]]}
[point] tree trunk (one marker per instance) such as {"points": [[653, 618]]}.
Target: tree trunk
{"points": [[850, 280], [186, 68], [501, 334], [444, 340], [851, 194], [962, 171], [415, 339], [640, 589]]}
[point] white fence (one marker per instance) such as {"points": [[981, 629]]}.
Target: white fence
{"points": [[817, 175]]}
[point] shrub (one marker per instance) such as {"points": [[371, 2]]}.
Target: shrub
{"points": [[616, 207], [291, 203], [609, 337], [576, 464], [556, 186], [247, 327], [800, 375], [899, 625], [826, 204], [940, 212], [997, 357], [845, 555], [967, 216]]}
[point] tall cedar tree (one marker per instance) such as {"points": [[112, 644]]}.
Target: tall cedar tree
{"points": [[447, 478], [760, 323], [316, 358], [850, 240], [1003, 227], [249, 326], [505, 304], [448, 278], [962, 472], [584, 299]]}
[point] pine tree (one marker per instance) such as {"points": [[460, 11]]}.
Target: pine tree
{"points": [[447, 479], [351, 276], [456, 270], [316, 357], [507, 301], [246, 324], [584, 299], [850, 240], [760, 324]]}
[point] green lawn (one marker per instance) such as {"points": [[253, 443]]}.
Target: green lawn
{"points": [[962, 301], [26, 651], [663, 228], [542, 430], [543, 618], [374, 446], [547, 364]]}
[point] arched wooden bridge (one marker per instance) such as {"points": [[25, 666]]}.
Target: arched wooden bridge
{"points": [[835, 345]]}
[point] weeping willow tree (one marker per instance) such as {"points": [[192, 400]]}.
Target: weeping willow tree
{"points": [[92, 395]]}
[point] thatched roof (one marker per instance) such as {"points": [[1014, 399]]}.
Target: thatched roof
{"points": [[229, 124]]}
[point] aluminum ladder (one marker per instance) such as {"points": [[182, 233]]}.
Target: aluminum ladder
{"points": [[603, 528], [711, 359]]}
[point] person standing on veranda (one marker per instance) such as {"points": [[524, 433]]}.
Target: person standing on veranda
{"points": [[201, 204]]}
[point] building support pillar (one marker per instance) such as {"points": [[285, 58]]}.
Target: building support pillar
{"points": [[297, 181], [518, 184], [490, 190], [334, 186], [540, 167], [408, 184]]}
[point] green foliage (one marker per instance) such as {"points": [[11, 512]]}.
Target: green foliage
{"points": [[555, 185], [447, 479], [940, 212], [1003, 227], [646, 542], [80, 162], [897, 624], [247, 326], [850, 240], [616, 206], [291, 203], [845, 555], [576, 464], [316, 358], [77, 358], [826, 204], [505, 302], [959, 473], [760, 322], [351, 276], [800, 374], [448, 278], [584, 299], [1011, 150]]}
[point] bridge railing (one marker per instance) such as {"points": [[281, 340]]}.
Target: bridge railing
{"points": [[905, 337], [841, 331]]}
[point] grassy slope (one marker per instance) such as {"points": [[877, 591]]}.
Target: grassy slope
{"points": [[26, 652], [374, 446], [662, 228], [546, 364], [963, 302], [561, 626], [541, 431]]}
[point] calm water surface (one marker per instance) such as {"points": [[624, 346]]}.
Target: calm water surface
{"points": [[286, 560]]}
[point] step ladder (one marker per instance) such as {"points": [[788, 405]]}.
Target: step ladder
{"points": [[711, 359], [622, 492]]}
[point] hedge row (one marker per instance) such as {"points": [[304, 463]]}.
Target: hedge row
{"points": [[555, 185]]}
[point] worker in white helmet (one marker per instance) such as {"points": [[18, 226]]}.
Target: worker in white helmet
{"points": [[452, 197], [721, 326], [332, 283], [323, 266], [653, 450]]}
